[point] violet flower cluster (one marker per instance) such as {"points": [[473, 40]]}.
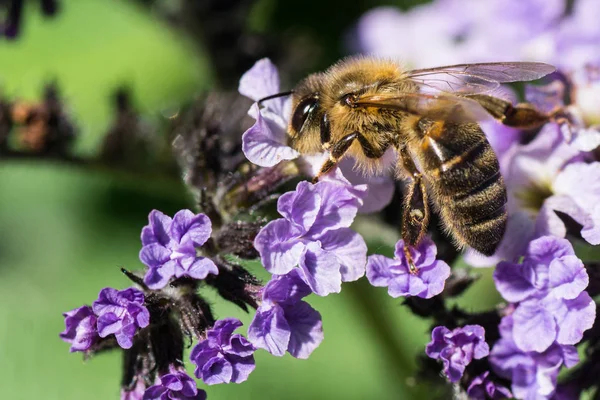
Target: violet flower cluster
{"points": [[457, 348], [116, 312], [550, 314], [169, 247], [150, 323]]}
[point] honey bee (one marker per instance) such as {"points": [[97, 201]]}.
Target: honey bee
{"points": [[363, 107]]}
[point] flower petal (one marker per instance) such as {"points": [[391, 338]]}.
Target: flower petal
{"points": [[157, 229], [260, 81], [534, 327], [580, 316], [513, 281], [154, 255], [201, 267], [266, 145], [306, 329], [320, 270], [301, 206], [350, 250], [279, 246], [269, 330], [157, 278], [378, 270], [190, 227], [567, 277]]}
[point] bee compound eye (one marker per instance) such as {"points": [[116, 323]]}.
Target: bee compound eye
{"points": [[302, 111]]}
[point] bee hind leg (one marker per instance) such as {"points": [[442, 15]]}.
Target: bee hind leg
{"points": [[416, 213], [415, 217], [523, 115]]}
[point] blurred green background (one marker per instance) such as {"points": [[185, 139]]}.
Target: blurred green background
{"points": [[64, 232]]}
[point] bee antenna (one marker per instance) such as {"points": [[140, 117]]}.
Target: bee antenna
{"points": [[275, 96]]}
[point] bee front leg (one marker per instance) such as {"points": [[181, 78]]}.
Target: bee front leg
{"points": [[337, 152]]}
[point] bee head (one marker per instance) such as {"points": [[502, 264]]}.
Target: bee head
{"points": [[307, 114]]}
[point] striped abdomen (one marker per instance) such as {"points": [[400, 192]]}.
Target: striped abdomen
{"points": [[463, 172]]}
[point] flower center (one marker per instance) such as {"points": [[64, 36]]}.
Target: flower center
{"points": [[532, 197]]}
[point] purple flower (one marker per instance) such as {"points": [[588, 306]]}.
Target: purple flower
{"points": [[464, 31], [266, 142], [121, 313], [170, 247], [395, 273], [548, 287], [284, 322], [457, 348], [482, 388], [533, 374], [136, 392], [80, 328], [176, 385], [314, 238], [223, 357]]}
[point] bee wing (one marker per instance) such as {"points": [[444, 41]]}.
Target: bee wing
{"points": [[477, 78], [446, 107]]}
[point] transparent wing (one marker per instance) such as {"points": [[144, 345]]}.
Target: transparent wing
{"points": [[446, 107], [477, 78]]}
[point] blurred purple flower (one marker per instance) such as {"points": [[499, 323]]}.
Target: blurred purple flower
{"points": [[136, 392], [456, 31], [533, 374], [284, 322], [176, 385], [395, 273], [223, 357], [121, 313], [266, 142], [169, 247], [457, 348], [314, 236], [577, 37], [482, 388], [80, 328], [542, 177], [548, 287], [579, 121]]}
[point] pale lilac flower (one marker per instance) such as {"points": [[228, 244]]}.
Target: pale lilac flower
{"points": [[80, 328], [457, 348], [284, 322], [395, 273], [223, 357], [266, 142], [549, 289], [314, 236], [533, 374], [176, 385], [579, 121], [121, 313], [482, 388], [170, 247], [578, 35]]}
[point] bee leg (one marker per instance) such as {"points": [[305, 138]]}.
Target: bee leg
{"points": [[415, 217], [337, 152], [523, 115]]}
